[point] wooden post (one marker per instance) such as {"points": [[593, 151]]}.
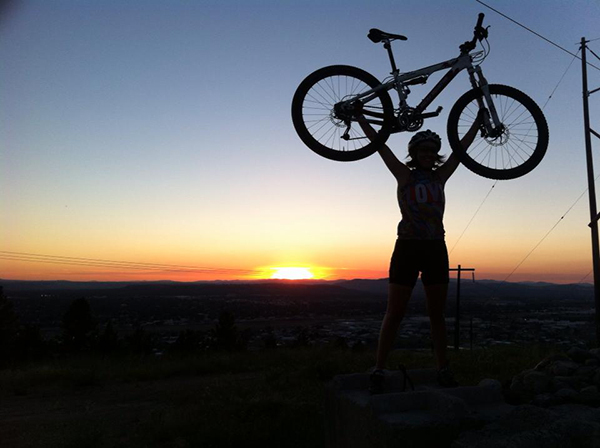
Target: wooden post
{"points": [[591, 189], [457, 318]]}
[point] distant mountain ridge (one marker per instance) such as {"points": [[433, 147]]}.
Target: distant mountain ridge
{"points": [[480, 288]]}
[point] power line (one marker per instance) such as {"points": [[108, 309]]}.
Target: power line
{"points": [[546, 235], [531, 31], [486, 196], [561, 78], [586, 276], [592, 51], [129, 265], [473, 217]]}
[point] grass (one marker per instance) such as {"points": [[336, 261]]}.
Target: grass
{"points": [[269, 398]]}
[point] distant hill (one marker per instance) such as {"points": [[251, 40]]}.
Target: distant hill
{"points": [[480, 289]]}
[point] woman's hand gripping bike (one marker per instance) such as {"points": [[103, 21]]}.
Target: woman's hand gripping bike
{"points": [[513, 135]]}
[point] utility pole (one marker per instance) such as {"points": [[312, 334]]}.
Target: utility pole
{"points": [[457, 319], [591, 186]]}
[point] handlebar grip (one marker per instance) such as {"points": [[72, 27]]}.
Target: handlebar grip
{"points": [[480, 20]]}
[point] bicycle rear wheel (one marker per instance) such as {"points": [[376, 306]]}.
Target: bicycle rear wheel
{"points": [[516, 147], [332, 131]]}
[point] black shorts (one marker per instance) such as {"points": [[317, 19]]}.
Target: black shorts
{"points": [[430, 257]]}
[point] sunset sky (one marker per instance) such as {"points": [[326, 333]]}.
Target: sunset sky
{"points": [[152, 140]]}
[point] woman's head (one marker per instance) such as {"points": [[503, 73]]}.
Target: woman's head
{"points": [[423, 150]]}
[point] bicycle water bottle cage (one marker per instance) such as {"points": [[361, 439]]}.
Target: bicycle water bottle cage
{"points": [[377, 36]]}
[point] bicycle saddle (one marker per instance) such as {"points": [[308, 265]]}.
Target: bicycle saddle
{"points": [[377, 36]]}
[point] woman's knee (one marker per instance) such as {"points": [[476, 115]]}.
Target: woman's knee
{"points": [[399, 296]]}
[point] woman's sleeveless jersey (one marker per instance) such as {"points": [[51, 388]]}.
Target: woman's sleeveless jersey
{"points": [[422, 204]]}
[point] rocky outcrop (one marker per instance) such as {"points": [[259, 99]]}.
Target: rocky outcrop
{"points": [[573, 377], [527, 426], [553, 405], [427, 417]]}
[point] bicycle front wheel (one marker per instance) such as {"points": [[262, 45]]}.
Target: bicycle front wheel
{"points": [[514, 148], [322, 116]]}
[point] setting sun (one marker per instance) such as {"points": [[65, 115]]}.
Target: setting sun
{"points": [[292, 273]]}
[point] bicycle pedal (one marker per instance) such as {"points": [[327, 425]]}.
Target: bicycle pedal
{"points": [[432, 114]]}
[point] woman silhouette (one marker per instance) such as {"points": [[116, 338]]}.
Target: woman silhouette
{"points": [[420, 246]]}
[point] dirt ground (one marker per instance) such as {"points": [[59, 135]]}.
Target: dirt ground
{"points": [[109, 415]]}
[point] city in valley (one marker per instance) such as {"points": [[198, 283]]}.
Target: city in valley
{"points": [[348, 313]]}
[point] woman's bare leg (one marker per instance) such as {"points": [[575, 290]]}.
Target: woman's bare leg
{"points": [[436, 306], [398, 297]]}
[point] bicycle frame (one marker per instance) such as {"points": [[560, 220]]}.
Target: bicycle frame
{"points": [[400, 82]]}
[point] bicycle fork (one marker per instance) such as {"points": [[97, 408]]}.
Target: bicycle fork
{"points": [[491, 127]]}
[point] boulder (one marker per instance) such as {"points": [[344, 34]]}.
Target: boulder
{"points": [[566, 395], [537, 382], [532, 427], [563, 368], [490, 383], [579, 355], [592, 362], [546, 400], [546, 362], [586, 372]]}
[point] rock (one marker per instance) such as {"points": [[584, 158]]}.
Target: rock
{"points": [[592, 362], [588, 398], [563, 368], [545, 400], [518, 387], [596, 379], [538, 382], [494, 384], [595, 352], [579, 355], [546, 362], [586, 372], [533, 427], [566, 395], [558, 384], [589, 390], [571, 381]]}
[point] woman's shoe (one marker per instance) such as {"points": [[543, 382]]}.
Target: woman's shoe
{"points": [[376, 380]]}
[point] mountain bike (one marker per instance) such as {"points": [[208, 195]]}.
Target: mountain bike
{"points": [[513, 135]]}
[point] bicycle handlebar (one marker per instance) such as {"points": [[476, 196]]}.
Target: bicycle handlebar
{"points": [[480, 20], [480, 33]]}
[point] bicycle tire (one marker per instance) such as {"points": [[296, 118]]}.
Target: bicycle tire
{"points": [[312, 111], [522, 144]]}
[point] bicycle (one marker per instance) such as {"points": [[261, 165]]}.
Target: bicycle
{"points": [[513, 135]]}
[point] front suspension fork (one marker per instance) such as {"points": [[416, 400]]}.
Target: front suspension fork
{"points": [[492, 126]]}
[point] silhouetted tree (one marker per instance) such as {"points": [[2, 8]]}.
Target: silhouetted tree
{"points": [[303, 338], [340, 342], [189, 341], [79, 328], [269, 339], [225, 335], [29, 343], [108, 342], [9, 327], [141, 342]]}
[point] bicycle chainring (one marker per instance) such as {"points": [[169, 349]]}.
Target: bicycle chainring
{"points": [[408, 120]]}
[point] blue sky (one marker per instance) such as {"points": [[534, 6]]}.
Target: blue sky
{"points": [[161, 131]]}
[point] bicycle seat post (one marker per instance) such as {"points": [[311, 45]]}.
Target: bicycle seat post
{"points": [[388, 47]]}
